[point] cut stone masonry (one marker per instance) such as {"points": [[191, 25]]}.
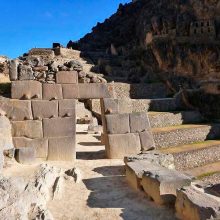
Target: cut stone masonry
{"points": [[43, 115], [124, 133]]}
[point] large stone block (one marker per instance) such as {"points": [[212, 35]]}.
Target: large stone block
{"points": [[42, 52], [135, 171], [139, 122], [69, 77], [62, 149], [67, 108], [13, 70], [125, 105], [117, 124], [109, 106], [26, 90], [25, 72], [153, 157], [45, 109], [93, 91], [147, 140], [161, 184], [121, 145], [52, 91], [26, 155], [16, 110], [29, 129], [192, 203], [40, 145], [5, 134], [59, 127], [70, 91]]}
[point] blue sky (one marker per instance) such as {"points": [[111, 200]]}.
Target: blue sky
{"points": [[38, 23]]}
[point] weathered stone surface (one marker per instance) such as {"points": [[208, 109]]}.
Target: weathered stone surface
{"points": [[161, 184], [176, 135], [1, 160], [117, 124], [40, 145], [45, 109], [52, 91], [193, 204], [5, 134], [109, 106], [40, 68], [93, 91], [62, 149], [27, 197], [121, 145], [29, 129], [70, 91], [59, 127], [139, 122], [26, 90], [135, 171], [165, 119], [67, 108], [17, 110], [13, 70], [155, 157], [147, 140], [26, 155], [25, 72], [140, 90], [42, 52], [69, 77], [125, 105]]}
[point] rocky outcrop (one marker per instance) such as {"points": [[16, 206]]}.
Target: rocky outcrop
{"points": [[27, 199], [6, 144], [171, 39]]}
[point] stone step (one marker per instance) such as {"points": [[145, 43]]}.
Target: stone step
{"points": [[185, 134], [136, 105], [194, 155], [164, 119], [162, 105], [140, 90], [205, 170]]}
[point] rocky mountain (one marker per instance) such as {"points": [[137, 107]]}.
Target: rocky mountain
{"points": [[174, 40]]}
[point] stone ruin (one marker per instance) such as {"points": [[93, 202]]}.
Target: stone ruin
{"points": [[41, 108]]}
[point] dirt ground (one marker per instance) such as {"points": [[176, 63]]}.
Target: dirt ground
{"points": [[103, 192]]}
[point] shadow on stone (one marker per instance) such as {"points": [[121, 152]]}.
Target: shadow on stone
{"points": [[110, 171], [91, 155], [90, 143], [114, 192]]}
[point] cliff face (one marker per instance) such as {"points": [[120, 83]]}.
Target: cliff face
{"points": [[168, 38]]}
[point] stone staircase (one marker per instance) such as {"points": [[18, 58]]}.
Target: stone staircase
{"points": [[185, 134], [194, 145], [182, 138]]}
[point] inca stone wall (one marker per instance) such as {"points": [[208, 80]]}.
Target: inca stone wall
{"points": [[125, 133], [42, 112]]}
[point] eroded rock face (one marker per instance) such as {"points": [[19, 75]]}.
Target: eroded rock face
{"points": [[27, 199], [174, 37]]}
